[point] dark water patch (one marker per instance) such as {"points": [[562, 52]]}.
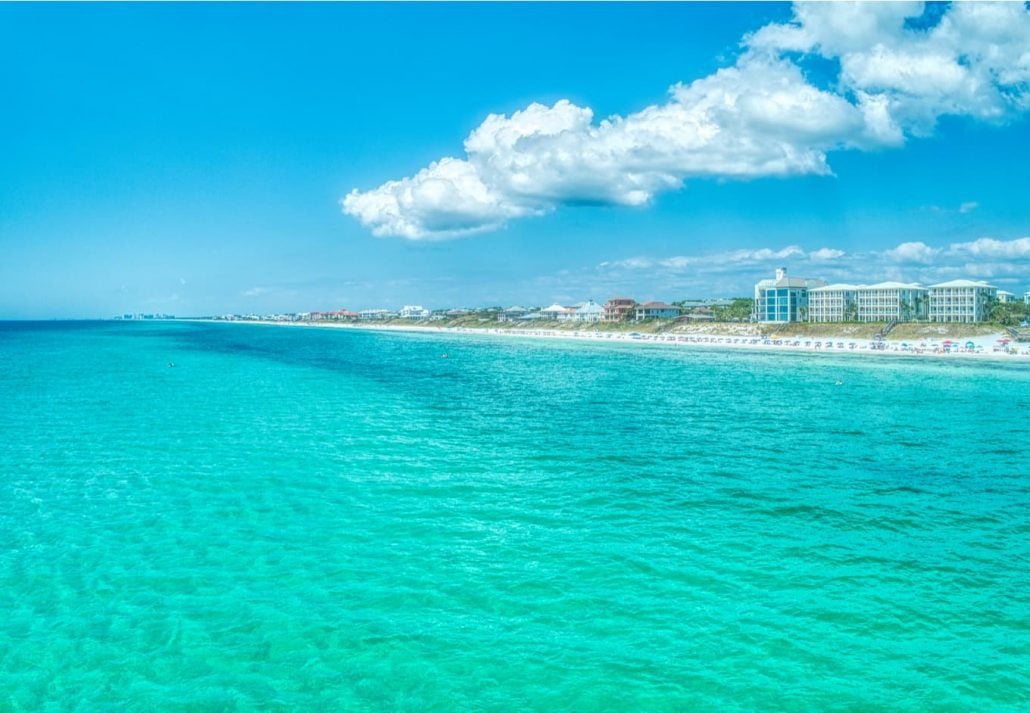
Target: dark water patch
{"points": [[909, 489]]}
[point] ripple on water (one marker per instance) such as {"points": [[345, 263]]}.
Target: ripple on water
{"points": [[319, 519]]}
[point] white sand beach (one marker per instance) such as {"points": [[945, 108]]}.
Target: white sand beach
{"points": [[999, 346]]}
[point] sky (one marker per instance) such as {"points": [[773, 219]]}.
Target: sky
{"points": [[199, 159]]}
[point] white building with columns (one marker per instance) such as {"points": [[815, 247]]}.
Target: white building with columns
{"points": [[961, 301], [882, 302]]}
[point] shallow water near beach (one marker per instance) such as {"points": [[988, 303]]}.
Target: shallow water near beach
{"points": [[334, 519]]}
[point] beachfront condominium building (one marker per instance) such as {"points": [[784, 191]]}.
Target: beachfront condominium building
{"points": [[1004, 296], [783, 299], [961, 301], [882, 302], [619, 308], [833, 303], [1026, 297]]}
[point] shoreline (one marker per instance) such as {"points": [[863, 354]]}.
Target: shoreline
{"points": [[984, 346]]}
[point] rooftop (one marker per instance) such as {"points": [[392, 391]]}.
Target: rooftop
{"points": [[791, 282], [878, 286], [963, 283]]}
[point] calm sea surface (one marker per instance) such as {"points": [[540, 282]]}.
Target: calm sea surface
{"points": [[336, 520]]}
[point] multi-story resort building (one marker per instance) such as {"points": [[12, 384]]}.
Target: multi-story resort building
{"points": [[882, 302], [833, 303], [619, 308], [961, 301], [793, 299], [783, 299], [1004, 296], [1026, 297]]}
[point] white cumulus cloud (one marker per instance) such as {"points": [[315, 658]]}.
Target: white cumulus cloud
{"points": [[912, 252], [759, 117], [826, 254], [1018, 249]]}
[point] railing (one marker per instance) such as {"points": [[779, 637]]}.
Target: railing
{"points": [[882, 334], [1020, 334]]}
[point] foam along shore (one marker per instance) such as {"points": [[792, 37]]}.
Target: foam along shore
{"points": [[992, 346]]}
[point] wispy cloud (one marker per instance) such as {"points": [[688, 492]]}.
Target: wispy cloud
{"points": [[710, 261], [985, 258], [760, 117]]}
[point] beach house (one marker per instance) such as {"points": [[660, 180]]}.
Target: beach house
{"points": [[783, 298], [961, 301], [882, 302], [1004, 296], [511, 314], [416, 312], [589, 311], [556, 312], [619, 308], [368, 315], [700, 314], [655, 310], [1026, 297]]}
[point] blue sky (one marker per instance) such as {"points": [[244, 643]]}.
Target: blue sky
{"points": [[192, 158]]}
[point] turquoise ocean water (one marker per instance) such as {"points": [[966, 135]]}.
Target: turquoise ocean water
{"points": [[335, 520]]}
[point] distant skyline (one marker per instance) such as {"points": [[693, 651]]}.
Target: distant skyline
{"points": [[200, 159]]}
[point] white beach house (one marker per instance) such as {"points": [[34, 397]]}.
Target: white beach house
{"points": [[1004, 296], [783, 299], [589, 311], [961, 301], [882, 302], [556, 312], [416, 312], [513, 313]]}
